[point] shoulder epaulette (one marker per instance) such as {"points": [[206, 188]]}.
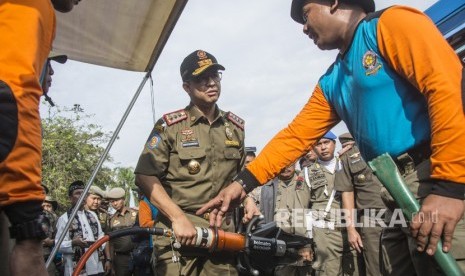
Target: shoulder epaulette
{"points": [[238, 121], [175, 117]]}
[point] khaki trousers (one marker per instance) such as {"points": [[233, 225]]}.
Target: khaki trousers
{"points": [[333, 255], [399, 254]]}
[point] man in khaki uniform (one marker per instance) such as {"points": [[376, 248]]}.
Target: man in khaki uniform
{"points": [[356, 179], [189, 157], [333, 255], [285, 200], [124, 217]]}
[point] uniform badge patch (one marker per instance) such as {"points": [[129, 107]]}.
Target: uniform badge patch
{"points": [[229, 133], [175, 117], [232, 143], [188, 139], [189, 144], [354, 158], [238, 121], [371, 63], [299, 184], [193, 167], [153, 142]]}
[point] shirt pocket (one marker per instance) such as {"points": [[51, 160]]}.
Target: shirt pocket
{"points": [[359, 170], [232, 154], [186, 155]]}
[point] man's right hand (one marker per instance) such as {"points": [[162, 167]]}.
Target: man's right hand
{"points": [[79, 242], [354, 238], [226, 200], [184, 230]]}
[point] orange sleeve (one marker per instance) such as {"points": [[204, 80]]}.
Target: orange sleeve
{"points": [[315, 119], [145, 215], [414, 47]]}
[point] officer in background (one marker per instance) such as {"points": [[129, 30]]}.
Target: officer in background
{"points": [[356, 180], [249, 154], [308, 159], [333, 255], [121, 247], [49, 207], [189, 157], [285, 200]]}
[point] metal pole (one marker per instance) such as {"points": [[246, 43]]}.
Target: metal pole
{"points": [[97, 168]]}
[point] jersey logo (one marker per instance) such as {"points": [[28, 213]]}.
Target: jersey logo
{"points": [[238, 121], [175, 117], [371, 63]]}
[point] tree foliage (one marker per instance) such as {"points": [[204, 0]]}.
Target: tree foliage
{"points": [[71, 149]]}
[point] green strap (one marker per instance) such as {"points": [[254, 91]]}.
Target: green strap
{"points": [[387, 172]]}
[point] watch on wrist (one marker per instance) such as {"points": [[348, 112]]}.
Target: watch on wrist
{"points": [[247, 188]]}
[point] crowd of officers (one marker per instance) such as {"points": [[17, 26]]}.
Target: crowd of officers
{"points": [[111, 213], [326, 183], [322, 182]]}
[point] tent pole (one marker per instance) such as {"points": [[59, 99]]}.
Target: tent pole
{"points": [[97, 167]]}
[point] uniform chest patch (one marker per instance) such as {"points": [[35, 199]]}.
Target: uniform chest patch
{"points": [[188, 138], [232, 143], [299, 185], [354, 158], [371, 63]]}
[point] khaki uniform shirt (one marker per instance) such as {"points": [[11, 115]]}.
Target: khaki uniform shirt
{"points": [[104, 218], [294, 198], [118, 221], [193, 159], [355, 176], [321, 186]]}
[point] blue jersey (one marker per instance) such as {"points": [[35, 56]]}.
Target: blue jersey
{"points": [[382, 110]]}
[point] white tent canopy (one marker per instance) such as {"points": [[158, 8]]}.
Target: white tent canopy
{"points": [[123, 34]]}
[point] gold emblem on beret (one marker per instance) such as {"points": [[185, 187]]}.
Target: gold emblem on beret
{"points": [[201, 54], [193, 166], [361, 177]]}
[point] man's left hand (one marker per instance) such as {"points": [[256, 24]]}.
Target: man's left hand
{"points": [[437, 218], [250, 210]]}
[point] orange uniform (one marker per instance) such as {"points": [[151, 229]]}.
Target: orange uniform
{"points": [[27, 30]]}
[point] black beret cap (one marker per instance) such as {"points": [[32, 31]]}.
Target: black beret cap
{"points": [[196, 63], [296, 7]]}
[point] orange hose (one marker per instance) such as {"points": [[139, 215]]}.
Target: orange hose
{"points": [[88, 253]]}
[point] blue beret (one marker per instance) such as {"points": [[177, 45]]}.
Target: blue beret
{"points": [[330, 135]]}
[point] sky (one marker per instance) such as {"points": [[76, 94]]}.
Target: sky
{"points": [[271, 70]]}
